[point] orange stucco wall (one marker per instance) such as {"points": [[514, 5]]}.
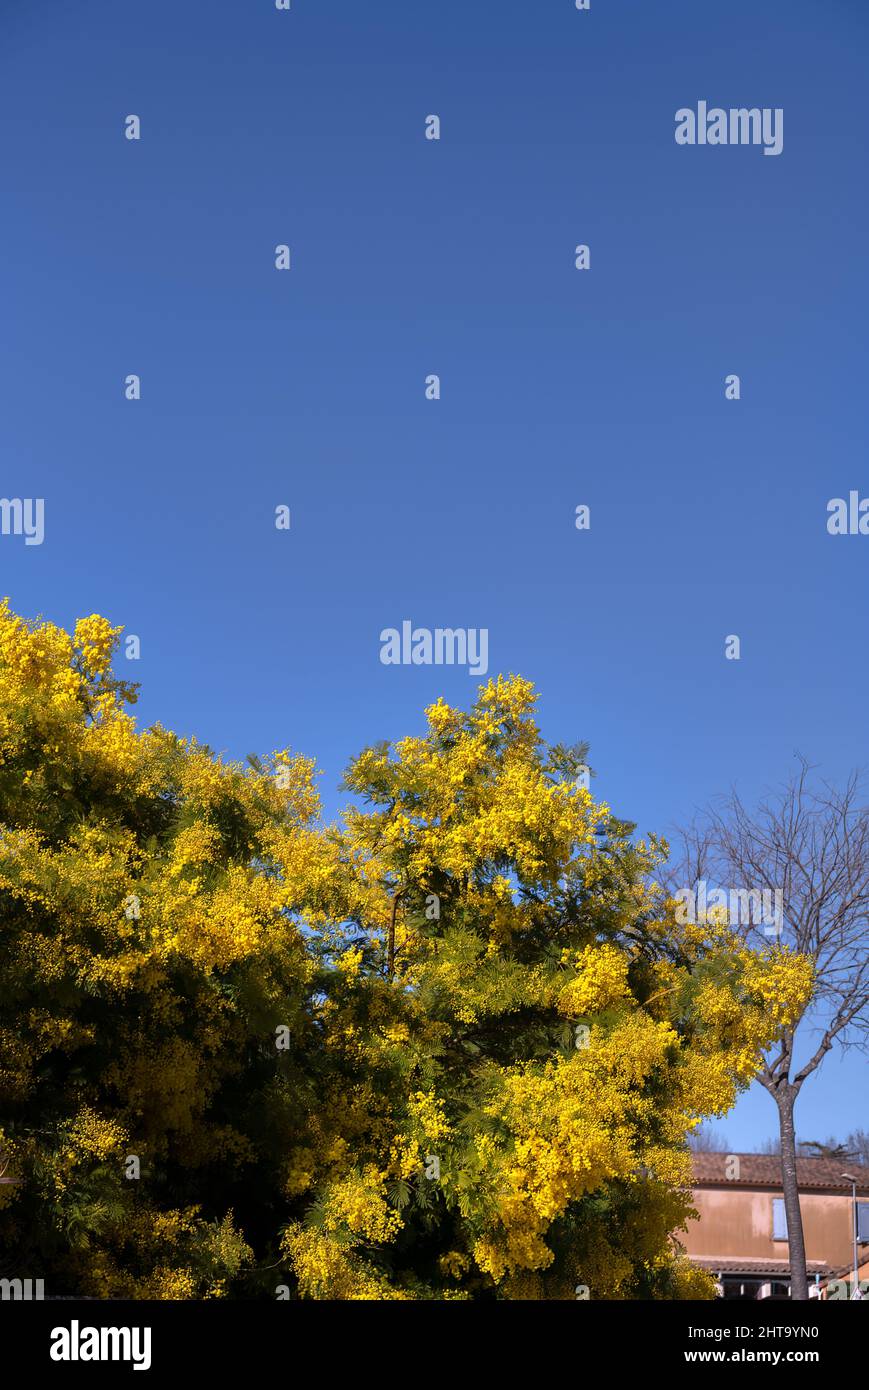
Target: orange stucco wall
{"points": [[737, 1223]]}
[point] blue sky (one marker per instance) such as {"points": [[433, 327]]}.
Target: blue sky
{"points": [[559, 387]]}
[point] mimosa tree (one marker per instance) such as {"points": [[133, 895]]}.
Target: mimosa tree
{"points": [[450, 1048]]}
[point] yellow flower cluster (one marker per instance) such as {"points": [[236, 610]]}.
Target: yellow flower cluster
{"points": [[95, 640], [601, 980]]}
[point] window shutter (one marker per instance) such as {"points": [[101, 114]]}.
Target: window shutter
{"points": [[779, 1219], [863, 1220]]}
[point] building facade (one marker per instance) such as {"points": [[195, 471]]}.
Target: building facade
{"points": [[740, 1233]]}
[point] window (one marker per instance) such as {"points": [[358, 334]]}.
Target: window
{"points": [[779, 1219], [863, 1220]]}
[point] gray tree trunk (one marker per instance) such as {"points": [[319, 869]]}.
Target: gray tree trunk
{"points": [[784, 1098]]}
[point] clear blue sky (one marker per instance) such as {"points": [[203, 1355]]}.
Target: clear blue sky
{"points": [[559, 387]]}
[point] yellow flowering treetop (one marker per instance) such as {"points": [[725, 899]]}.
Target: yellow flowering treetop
{"points": [[528, 1030], [449, 1048], [149, 951]]}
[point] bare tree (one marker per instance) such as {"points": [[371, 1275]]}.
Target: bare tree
{"points": [[707, 1141], [854, 1149], [858, 1142], [828, 1148], [810, 843]]}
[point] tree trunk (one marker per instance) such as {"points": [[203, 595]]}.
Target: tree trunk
{"points": [[796, 1242]]}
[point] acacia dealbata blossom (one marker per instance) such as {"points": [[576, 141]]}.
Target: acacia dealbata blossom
{"points": [[449, 1048]]}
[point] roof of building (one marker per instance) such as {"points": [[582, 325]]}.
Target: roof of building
{"points": [[846, 1271], [764, 1170], [726, 1264]]}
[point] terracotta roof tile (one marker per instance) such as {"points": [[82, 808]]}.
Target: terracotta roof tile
{"points": [[764, 1170], [726, 1264]]}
